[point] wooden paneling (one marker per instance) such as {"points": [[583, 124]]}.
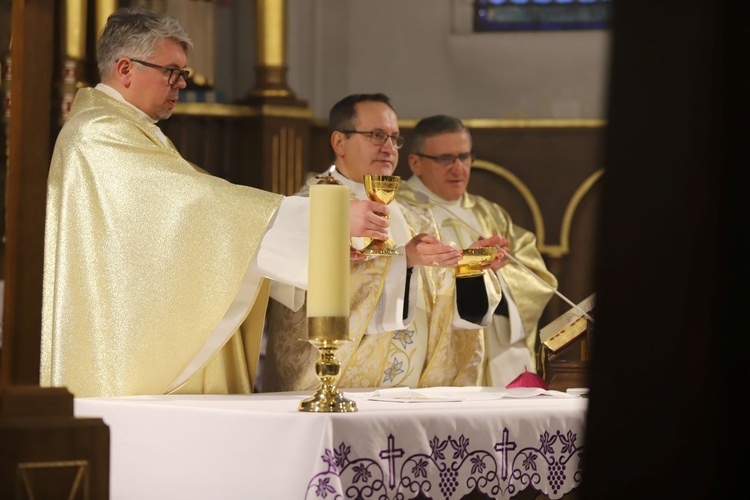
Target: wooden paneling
{"points": [[245, 144], [46, 452]]}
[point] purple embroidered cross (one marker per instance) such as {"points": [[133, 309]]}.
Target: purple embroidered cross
{"points": [[391, 454], [504, 447]]}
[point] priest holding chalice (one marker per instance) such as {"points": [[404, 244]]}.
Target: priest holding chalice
{"points": [[407, 326]]}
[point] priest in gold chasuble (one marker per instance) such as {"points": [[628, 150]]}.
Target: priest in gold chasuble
{"points": [[440, 158], [151, 276]]}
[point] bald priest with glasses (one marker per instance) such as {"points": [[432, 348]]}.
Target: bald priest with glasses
{"points": [[440, 158]]}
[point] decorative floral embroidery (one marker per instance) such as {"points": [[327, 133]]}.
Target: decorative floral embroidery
{"points": [[552, 466], [323, 488], [393, 370], [406, 337]]}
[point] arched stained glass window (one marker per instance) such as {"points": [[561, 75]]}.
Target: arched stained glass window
{"points": [[540, 15]]}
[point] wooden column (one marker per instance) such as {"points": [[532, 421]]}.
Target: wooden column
{"points": [[103, 9], [283, 121], [73, 54], [271, 68], [30, 145], [44, 451]]}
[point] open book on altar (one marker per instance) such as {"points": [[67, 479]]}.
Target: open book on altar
{"points": [[562, 331]]}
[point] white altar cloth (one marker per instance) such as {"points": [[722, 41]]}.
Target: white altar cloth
{"points": [[260, 446]]}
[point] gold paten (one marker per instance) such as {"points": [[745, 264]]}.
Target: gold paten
{"points": [[327, 334], [473, 260]]}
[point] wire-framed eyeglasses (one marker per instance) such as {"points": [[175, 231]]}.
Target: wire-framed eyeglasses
{"points": [[448, 160], [378, 137], [174, 73]]}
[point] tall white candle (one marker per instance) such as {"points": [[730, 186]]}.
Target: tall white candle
{"points": [[328, 265]]}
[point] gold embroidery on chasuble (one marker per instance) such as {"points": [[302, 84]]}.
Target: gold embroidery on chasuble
{"points": [[291, 361], [387, 359], [380, 359], [454, 356], [532, 302]]}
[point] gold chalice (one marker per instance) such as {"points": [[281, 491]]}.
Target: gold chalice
{"points": [[381, 188], [473, 259]]}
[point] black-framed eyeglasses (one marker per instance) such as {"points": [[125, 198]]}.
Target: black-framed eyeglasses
{"points": [[174, 73], [448, 160], [378, 137]]}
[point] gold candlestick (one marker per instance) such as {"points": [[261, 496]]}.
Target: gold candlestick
{"points": [[327, 334]]}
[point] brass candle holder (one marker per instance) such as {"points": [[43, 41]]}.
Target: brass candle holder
{"points": [[327, 334]]}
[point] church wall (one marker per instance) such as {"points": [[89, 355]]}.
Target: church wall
{"points": [[422, 54]]}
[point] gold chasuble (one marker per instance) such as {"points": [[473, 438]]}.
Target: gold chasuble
{"points": [[510, 342], [146, 282]]}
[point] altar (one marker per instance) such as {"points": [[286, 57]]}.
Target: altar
{"points": [[441, 443]]}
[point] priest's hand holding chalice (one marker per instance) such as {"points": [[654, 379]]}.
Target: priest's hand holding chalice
{"points": [[382, 189]]}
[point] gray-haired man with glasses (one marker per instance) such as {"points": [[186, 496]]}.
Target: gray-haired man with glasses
{"points": [[155, 272], [440, 158]]}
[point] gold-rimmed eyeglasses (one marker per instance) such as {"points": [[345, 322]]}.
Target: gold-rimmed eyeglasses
{"points": [[378, 137], [174, 73], [448, 160]]}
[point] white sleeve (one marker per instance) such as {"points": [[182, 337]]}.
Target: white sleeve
{"points": [[283, 252], [389, 312], [288, 295], [517, 330]]}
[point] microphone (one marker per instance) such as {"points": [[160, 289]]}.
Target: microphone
{"points": [[423, 199]]}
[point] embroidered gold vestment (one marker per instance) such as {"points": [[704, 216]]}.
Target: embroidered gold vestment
{"points": [[529, 296]]}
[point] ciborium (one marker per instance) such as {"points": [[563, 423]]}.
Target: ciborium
{"points": [[327, 334], [381, 188], [473, 261]]}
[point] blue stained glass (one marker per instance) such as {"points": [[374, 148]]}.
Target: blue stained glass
{"points": [[538, 15], [540, 2]]}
